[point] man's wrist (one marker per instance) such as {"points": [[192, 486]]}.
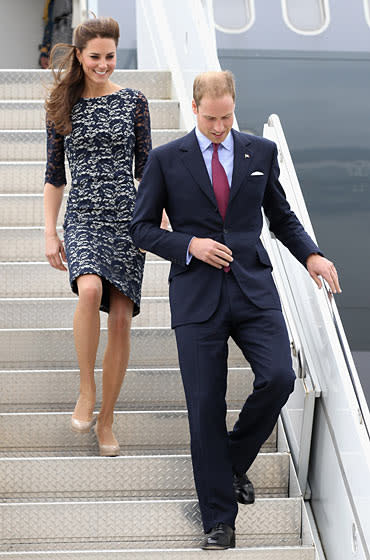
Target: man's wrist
{"points": [[311, 255], [189, 255], [191, 241]]}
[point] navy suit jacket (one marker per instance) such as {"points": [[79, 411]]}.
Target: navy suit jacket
{"points": [[176, 178]]}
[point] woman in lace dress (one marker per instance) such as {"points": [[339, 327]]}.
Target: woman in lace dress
{"points": [[101, 128]]}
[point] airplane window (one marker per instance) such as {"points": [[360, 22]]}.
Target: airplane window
{"points": [[307, 17], [367, 11], [235, 16]]}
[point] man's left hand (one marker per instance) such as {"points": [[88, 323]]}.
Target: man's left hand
{"points": [[320, 266]]}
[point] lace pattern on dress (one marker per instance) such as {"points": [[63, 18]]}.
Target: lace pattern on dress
{"points": [[143, 141], [55, 170]]}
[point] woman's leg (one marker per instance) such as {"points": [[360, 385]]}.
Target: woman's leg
{"points": [[86, 327], [115, 361]]}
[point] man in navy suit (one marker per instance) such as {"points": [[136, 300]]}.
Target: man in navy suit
{"points": [[213, 183]]}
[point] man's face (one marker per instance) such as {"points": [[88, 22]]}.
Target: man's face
{"points": [[215, 117]]}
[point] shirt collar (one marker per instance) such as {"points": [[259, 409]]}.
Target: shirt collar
{"points": [[205, 143]]}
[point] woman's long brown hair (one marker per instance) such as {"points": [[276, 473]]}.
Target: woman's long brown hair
{"points": [[69, 78]]}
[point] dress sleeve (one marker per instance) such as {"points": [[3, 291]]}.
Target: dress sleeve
{"points": [[55, 169], [143, 143]]}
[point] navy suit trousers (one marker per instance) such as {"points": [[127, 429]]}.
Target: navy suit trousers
{"points": [[262, 336]]}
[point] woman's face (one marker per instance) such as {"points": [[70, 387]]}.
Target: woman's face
{"points": [[98, 60]]}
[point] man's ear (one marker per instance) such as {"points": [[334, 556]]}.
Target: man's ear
{"points": [[194, 107]]}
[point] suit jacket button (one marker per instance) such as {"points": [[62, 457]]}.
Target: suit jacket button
{"points": [[226, 230]]}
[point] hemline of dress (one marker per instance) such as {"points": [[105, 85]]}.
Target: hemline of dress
{"points": [[104, 306]]}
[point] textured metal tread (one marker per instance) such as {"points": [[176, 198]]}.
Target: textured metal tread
{"points": [[143, 389], [74, 528], [19, 145], [28, 84], [30, 114], [47, 479], [27, 244], [39, 279], [144, 523], [58, 313], [135, 430], [42, 348], [25, 177], [239, 553], [25, 209]]}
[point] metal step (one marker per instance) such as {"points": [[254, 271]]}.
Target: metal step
{"points": [[58, 313], [30, 114], [23, 177], [143, 389], [139, 432], [41, 280], [48, 348], [240, 553], [143, 524], [25, 210], [27, 244], [55, 479], [59, 499], [19, 145], [29, 84], [23, 244]]}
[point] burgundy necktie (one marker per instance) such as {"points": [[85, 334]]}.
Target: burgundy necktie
{"points": [[220, 186]]}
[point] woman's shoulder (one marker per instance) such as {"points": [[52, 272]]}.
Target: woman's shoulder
{"points": [[133, 93]]}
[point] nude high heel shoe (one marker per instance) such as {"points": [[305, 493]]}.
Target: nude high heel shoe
{"points": [[106, 450], [81, 426]]}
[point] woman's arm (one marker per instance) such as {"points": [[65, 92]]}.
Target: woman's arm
{"points": [[143, 138], [55, 180], [54, 249]]}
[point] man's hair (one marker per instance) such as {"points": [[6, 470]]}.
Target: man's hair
{"points": [[213, 84]]}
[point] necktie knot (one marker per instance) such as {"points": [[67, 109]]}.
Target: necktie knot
{"points": [[215, 147]]}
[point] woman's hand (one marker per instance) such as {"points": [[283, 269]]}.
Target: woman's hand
{"points": [[54, 251]]}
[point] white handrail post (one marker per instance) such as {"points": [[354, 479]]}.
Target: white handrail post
{"points": [[81, 9], [178, 37]]}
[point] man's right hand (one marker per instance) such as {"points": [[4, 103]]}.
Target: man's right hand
{"points": [[210, 252]]}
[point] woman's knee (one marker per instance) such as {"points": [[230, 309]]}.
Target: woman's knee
{"points": [[120, 321], [120, 314], [90, 290]]}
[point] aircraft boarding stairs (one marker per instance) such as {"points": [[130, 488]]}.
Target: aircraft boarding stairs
{"points": [[58, 498]]}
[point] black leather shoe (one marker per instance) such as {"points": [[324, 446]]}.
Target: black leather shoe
{"points": [[243, 488], [219, 538]]}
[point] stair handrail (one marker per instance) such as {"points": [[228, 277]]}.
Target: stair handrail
{"points": [[183, 43], [326, 301], [344, 410]]}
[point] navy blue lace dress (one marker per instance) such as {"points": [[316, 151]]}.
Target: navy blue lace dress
{"points": [[107, 132]]}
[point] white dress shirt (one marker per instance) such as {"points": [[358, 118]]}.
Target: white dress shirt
{"points": [[225, 156], [225, 153]]}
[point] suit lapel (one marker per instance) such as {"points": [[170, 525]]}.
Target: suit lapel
{"points": [[193, 160], [242, 160]]}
